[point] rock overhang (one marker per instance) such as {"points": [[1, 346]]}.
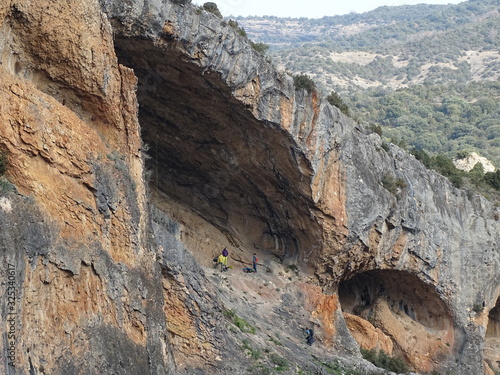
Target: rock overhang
{"points": [[207, 150], [211, 76]]}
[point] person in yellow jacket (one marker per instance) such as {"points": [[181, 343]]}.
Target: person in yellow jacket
{"points": [[222, 260]]}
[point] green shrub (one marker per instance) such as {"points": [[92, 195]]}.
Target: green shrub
{"points": [[303, 82], [239, 30], [445, 166], [493, 179], [212, 8], [476, 174], [400, 142], [337, 368], [463, 154], [4, 163], [383, 360], [260, 47], [260, 370], [336, 100], [281, 364], [254, 353], [422, 156], [376, 129], [241, 323], [181, 2], [442, 164], [393, 184]]}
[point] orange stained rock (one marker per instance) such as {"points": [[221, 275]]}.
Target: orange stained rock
{"points": [[61, 308], [286, 112], [323, 308], [367, 335], [191, 343], [250, 93]]}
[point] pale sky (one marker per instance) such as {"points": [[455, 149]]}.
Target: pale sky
{"points": [[307, 8]]}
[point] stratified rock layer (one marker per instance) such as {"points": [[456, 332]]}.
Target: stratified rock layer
{"points": [[110, 278], [76, 229]]}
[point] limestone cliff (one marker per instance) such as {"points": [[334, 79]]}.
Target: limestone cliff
{"points": [[143, 137]]}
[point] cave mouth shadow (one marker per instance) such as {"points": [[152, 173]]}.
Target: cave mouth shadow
{"points": [[208, 151], [398, 313], [404, 294], [493, 329], [492, 339]]}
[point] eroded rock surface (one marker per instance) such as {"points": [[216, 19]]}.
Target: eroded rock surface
{"points": [[75, 225], [114, 278]]}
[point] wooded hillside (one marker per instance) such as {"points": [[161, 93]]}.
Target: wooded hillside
{"points": [[427, 74]]}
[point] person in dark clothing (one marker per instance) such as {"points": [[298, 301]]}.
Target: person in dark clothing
{"points": [[254, 262], [310, 336]]}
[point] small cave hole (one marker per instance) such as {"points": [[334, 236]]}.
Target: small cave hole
{"points": [[493, 330], [398, 313], [17, 67]]}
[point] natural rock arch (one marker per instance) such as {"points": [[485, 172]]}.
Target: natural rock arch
{"points": [[397, 312]]}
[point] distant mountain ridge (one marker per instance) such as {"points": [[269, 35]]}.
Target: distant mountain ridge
{"points": [[403, 21], [429, 34], [428, 74], [291, 31]]}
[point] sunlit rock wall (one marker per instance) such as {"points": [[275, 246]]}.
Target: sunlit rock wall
{"points": [[84, 291], [331, 196]]}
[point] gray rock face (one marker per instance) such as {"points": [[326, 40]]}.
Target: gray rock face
{"points": [[284, 171]]}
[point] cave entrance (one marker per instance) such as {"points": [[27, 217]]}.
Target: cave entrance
{"points": [[398, 313], [493, 330], [210, 156], [492, 339]]}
